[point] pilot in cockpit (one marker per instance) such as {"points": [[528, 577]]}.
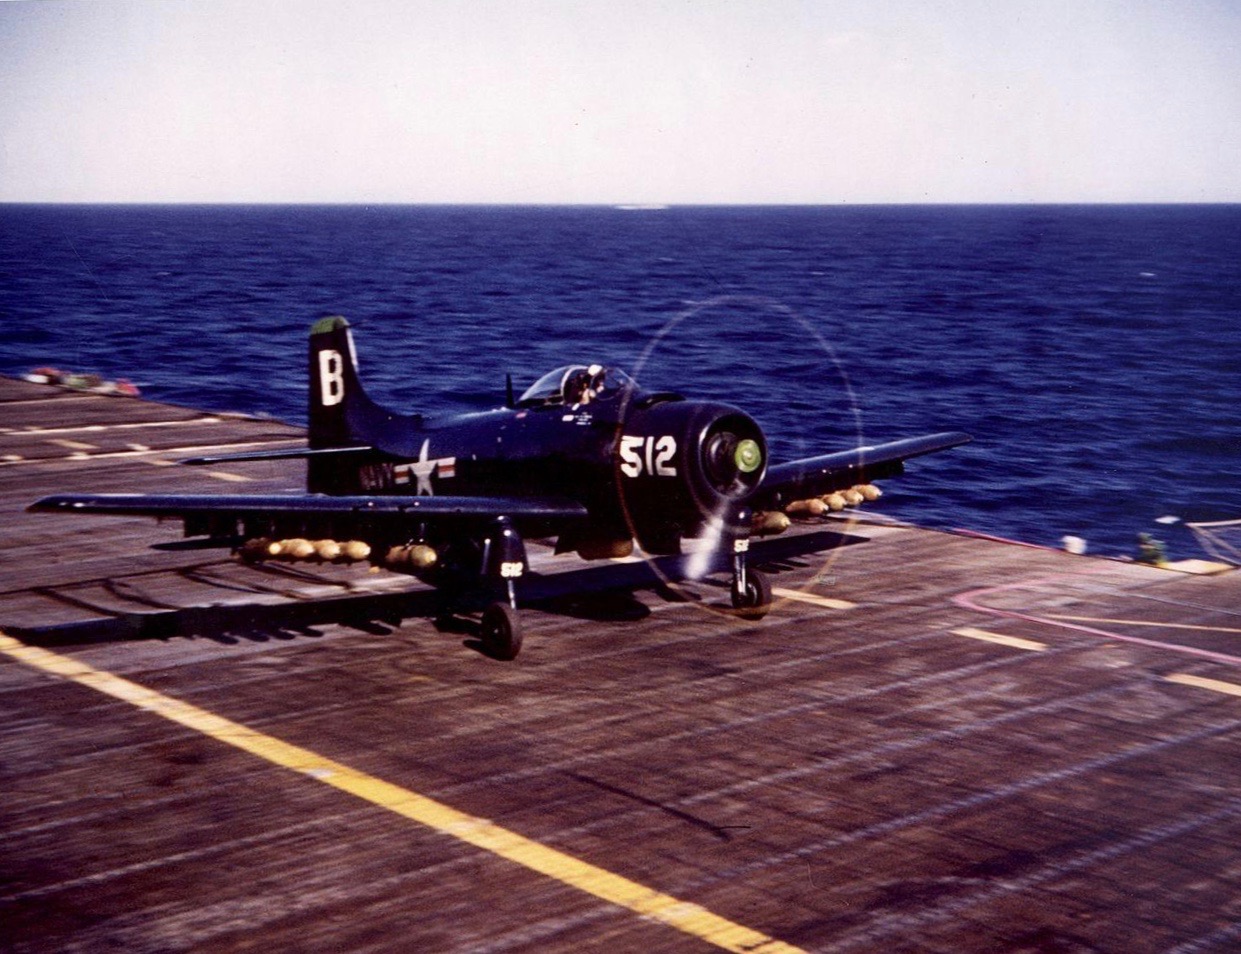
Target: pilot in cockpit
{"points": [[582, 385]]}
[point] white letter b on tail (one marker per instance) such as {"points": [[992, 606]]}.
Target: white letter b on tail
{"points": [[331, 378]]}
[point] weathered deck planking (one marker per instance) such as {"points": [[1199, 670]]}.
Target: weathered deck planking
{"points": [[994, 747]]}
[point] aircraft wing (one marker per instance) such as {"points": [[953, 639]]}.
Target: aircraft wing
{"points": [[812, 476], [207, 510]]}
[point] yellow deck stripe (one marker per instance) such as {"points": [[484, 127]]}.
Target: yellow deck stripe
{"points": [[684, 916], [227, 475], [1016, 642], [1185, 679], [813, 598]]}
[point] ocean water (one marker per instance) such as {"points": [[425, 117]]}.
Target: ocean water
{"points": [[1094, 352]]}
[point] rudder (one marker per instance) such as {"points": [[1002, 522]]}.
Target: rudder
{"points": [[335, 390], [341, 414]]}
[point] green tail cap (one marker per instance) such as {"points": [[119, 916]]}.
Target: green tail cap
{"points": [[329, 324]]}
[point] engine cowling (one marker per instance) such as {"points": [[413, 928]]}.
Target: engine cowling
{"points": [[681, 465]]}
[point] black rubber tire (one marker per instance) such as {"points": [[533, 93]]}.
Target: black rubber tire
{"points": [[501, 631], [755, 602]]}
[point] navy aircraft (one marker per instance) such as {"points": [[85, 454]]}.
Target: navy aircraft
{"points": [[584, 456]]}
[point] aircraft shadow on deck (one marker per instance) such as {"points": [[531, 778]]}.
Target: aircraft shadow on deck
{"points": [[601, 593]]}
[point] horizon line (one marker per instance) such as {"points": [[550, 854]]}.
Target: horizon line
{"points": [[619, 206]]}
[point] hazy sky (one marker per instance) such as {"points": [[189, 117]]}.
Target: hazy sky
{"points": [[649, 101]]}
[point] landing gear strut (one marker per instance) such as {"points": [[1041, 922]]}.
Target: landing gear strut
{"points": [[504, 561], [501, 631], [751, 591]]}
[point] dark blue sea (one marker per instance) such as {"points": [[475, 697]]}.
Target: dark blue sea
{"points": [[1094, 352]]}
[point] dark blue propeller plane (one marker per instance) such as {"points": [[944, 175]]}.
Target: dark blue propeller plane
{"points": [[585, 456]]}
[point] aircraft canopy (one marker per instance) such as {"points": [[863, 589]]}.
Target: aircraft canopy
{"points": [[575, 384]]}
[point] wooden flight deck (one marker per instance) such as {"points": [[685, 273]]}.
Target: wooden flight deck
{"points": [[934, 743]]}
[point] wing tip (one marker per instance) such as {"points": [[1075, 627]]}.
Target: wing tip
{"points": [[52, 504]]}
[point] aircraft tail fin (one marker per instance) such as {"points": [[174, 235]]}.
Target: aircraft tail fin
{"points": [[341, 413]]}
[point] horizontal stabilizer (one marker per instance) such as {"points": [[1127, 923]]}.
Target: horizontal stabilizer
{"points": [[294, 453]]}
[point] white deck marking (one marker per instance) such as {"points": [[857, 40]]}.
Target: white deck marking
{"points": [[1145, 622], [97, 428], [198, 450]]}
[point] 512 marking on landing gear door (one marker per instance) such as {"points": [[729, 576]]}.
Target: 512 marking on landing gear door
{"points": [[649, 455]]}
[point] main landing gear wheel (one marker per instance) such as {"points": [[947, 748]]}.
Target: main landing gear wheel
{"points": [[754, 599], [501, 631]]}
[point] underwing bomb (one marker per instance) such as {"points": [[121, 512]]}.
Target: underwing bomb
{"points": [[258, 549], [419, 556], [769, 523], [605, 549], [296, 548], [254, 550], [835, 502]]}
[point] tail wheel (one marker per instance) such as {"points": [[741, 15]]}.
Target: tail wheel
{"points": [[501, 631], [753, 600]]}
